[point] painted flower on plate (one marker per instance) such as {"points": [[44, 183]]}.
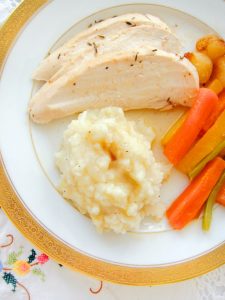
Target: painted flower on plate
{"points": [[42, 258], [21, 267]]}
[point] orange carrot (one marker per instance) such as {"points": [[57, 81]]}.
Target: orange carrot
{"points": [[206, 145], [221, 196], [186, 207], [187, 134], [217, 111]]}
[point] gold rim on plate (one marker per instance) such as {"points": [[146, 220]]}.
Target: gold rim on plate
{"points": [[62, 253]]}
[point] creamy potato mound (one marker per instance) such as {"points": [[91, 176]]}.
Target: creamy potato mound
{"points": [[109, 171]]}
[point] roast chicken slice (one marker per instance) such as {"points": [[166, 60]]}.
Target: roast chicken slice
{"points": [[105, 31], [128, 39], [151, 78]]}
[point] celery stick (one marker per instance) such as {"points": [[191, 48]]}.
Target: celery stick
{"points": [[197, 169], [207, 215], [173, 129]]}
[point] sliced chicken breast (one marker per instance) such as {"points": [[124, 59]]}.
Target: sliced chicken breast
{"points": [[127, 39], [152, 79], [108, 29]]}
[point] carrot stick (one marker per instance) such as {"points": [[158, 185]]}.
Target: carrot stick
{"points": [[217, 111], [187, 205], [221, 196], [204, 146], [197, 169], [173, 129], [187, 134]]}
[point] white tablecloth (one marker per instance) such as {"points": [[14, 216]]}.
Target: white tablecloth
{"points": [[25, 273]]}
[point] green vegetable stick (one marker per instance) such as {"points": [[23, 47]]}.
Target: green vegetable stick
{"points": [[207, 215], [197, 169], [173, 129]]}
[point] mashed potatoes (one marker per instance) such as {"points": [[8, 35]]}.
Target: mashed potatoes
{"points": [[108, 170]]}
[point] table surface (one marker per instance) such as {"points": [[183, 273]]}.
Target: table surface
{"points": [[25, 273]]}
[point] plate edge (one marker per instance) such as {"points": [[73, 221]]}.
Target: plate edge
{"points": [[60, 252]]}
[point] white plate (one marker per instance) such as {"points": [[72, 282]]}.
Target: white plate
{"points": [[27, 151]]}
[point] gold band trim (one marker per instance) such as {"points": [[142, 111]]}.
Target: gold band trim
{"points": [[59, 251]]}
